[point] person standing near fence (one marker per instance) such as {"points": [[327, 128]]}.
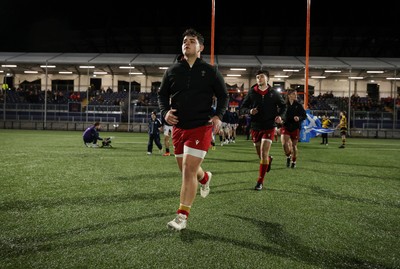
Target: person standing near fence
{"points": [[155, 127], [326, 123], [343, 128], [234, 122], [185, 100]]}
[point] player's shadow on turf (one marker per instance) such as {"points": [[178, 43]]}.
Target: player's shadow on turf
{"points": [[280, 243], [48, 242]]}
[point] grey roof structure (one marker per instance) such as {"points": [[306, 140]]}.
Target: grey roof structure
{"points": [[149, 64]]}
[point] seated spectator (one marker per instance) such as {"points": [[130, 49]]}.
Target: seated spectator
{"points": [[75, 96]]}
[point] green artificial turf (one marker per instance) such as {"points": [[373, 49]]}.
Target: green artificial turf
{"points": [[63, 205]]}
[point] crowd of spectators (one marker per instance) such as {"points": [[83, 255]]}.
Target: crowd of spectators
{"points": [[322, 102]]}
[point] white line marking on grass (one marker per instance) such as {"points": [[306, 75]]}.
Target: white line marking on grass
{"points": [[378, 149], [131, 142], [373, 144]]}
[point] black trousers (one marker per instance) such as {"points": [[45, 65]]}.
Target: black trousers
{"points": [[156, 139], [324, 138], [92, 140]]}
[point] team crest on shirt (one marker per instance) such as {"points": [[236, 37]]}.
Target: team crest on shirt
{"points": [[197, 142], [203, 73]]}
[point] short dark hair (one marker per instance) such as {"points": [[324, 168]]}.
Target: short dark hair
{"points": [[261, 71], [194, 33]]}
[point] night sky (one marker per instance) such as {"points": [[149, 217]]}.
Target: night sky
{"points": [[155, 26]]}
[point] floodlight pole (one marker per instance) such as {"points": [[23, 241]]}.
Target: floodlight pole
{"points": [[45, 98], [4, 96], [87, 96], [129, 98], [307, 55], [212, 31], [348, 106], [394, 87]]}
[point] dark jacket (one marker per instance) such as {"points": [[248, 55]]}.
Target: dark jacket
{"points": [[91, 134], [269, 107], [234, 118], [295, 109], [226, 117], [190, 91], [154, 127]]}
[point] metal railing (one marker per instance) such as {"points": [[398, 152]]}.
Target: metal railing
{"points": [[361, 123]]}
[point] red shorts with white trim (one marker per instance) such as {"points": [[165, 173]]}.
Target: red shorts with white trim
{"points": [[294, 135], [262, 134], [197, 138]]}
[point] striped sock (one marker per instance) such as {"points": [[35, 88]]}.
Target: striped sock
{"points": [[184, 209], [204, 179]]}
